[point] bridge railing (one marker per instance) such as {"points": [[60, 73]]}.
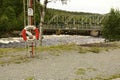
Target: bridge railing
{"points": [[71, 27]]}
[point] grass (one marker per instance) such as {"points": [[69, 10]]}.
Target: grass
{"points": [[83, 71], [4, 51], [57, 48], [9, 55], [107, 78], [16, 60], [94, 49], [76, 79], [97, 77], [98, 47], [80, 71], [30, 78], [83, 50]]}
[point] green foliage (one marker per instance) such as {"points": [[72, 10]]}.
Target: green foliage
{"points": [[10, 15], [80, 71], [30, 78], [83, 71], [111, 26], [95, 50]]}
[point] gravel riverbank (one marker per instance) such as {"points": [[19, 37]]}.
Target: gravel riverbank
{"points": [[67, 66]]}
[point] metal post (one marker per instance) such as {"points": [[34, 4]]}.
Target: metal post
{"points": [[24, 8], [30, 22], [34, 12], [32, 46], [24, 13]]}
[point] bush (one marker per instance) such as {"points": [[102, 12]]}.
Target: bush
{"points": [[111, 26]]}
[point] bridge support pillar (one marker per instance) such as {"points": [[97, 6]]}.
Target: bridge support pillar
{"points": [[94, 33]]}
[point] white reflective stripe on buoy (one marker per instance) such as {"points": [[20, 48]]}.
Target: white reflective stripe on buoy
{"points": [[30, 27], [29, 33]]}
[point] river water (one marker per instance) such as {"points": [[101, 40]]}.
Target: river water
{"points": [[50, 40]]}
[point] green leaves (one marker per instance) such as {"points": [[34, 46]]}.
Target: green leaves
{"points": [[111, 26], [10, 15]]}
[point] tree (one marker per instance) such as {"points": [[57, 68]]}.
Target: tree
{"points": [[43, 12], [3, 23], [111, 26], [10, 16]]}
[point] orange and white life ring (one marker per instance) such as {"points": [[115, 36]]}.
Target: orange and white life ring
{"points": [[30, 27]]}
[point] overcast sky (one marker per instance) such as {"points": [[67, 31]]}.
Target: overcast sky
{"points": [[94, 6]]}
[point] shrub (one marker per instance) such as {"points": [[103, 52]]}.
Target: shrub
{"points": [[111, 26]]}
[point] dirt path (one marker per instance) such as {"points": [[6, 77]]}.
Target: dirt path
{"points": [[66, 66]]}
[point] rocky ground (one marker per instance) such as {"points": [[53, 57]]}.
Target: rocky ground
{"points": [[68, 65]]}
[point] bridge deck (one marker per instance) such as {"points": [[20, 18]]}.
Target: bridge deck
{"points": [[89, 28]]}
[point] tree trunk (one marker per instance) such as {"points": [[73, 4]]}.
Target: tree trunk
{"points": [[42, 16]]}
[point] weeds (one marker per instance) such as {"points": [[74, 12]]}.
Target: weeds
{"points": [[83, 71], [57, 48], [94, 49], [107, 78], [9, 55], [30, 78], [89, 49], [98, 47], [80, 71], [82, 50], [17, 60]]}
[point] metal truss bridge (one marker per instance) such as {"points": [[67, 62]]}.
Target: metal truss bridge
{"points": [[75, 23]]}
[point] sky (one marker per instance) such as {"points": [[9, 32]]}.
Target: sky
{"points": [[92, 6]]}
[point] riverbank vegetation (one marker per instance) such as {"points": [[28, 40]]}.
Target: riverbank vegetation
{"points": [[18, 55], [111, 26]]}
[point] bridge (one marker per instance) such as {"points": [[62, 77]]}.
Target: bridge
{"points": [[74, 24]]}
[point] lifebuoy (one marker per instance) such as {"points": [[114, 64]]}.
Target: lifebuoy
{"points": [[25, 31]]}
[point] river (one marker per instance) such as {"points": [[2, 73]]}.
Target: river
{"points": [[50, 40]]}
